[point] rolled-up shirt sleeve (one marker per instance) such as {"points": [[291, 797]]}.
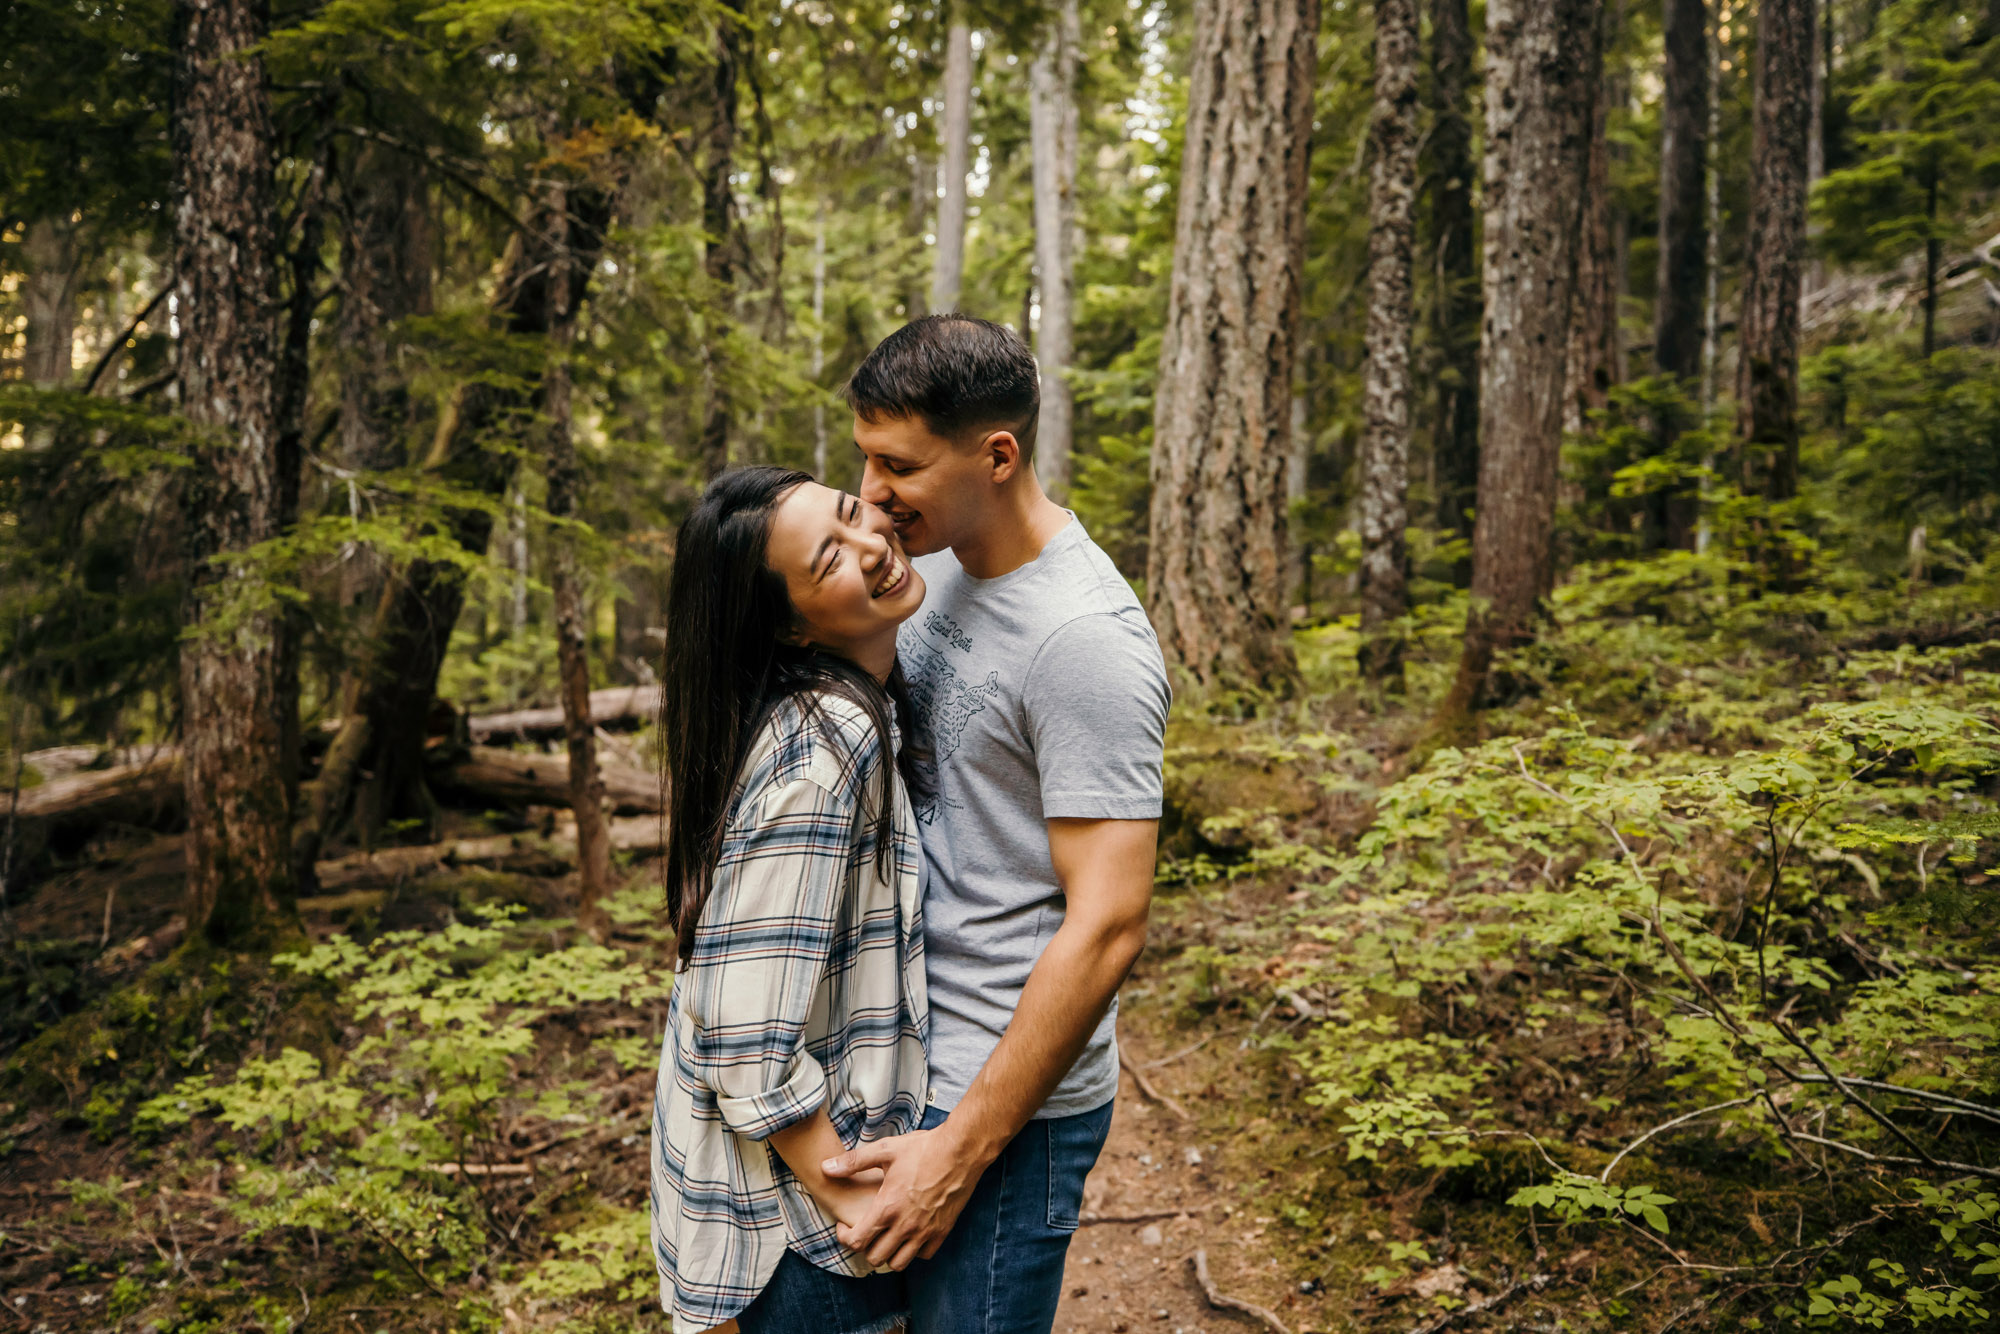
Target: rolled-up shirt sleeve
{"points": [[762, 947]]}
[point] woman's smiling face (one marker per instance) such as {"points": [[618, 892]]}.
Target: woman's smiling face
{"points": [[850, 583]]}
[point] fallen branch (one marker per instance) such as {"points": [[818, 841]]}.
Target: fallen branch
{"points": [[1146, 1087], [1223, 1302], [1179, 1055], [1605, 1175], [1970, 1108], [1941, 1164], [485, 1169], [1148, 1216], [1497, 1300], [637, 834]]}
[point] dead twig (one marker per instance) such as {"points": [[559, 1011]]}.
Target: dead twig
{"points": [[1182, 1054], [1147, 1216], [1221, 1301], [1497, 1300], [1146, 1087], [1605, 1175], [486, 1169], [1881, 1086], [1943, 1164]]}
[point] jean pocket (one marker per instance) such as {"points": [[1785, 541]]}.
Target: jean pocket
{"points": [[1073, 1144]]}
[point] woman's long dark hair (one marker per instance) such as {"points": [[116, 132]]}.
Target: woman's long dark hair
{"points": [[728, 665]]}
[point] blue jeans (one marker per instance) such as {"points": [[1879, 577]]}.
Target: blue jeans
{"points": [[802, 1298], [1001, 1269]]}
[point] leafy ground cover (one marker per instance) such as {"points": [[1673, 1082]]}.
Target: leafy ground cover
{"points": [[1668, 1003]]}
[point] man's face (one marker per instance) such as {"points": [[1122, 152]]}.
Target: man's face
{"points": [[930, 488]]}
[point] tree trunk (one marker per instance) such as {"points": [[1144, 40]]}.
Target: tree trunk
{"points": [[1681, 288], [1768, 329], [1455, 314], [51, 264], [1052, 120], [819, 341], [306, 262], [50, 260], [718, 223], [586, 788], [385, 270], [1215, 579], [1932, 255], [226, 299], [955, 129], [1711, 306], [1593, 365], [391, 688], [1541, 77], [923, 193], [1683, 271], [1385, 443]]}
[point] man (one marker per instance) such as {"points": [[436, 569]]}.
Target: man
{"points": [[1045, 698]]}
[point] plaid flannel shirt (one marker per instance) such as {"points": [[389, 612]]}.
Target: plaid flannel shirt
{"points": [[805, 989]]}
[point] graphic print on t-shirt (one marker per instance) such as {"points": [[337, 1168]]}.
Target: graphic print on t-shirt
{"points": [[944, 704]]}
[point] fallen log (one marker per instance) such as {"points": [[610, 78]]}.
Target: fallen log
{"points": [[490, 774], [629, 705], [147, 794], [636, 834]]}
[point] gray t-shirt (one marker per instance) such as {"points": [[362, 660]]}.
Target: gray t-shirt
{"points": [[1045, 697]]}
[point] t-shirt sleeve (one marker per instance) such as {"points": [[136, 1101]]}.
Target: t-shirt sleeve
{"points": [[1096, 703]]}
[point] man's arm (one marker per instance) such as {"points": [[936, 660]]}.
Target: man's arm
{"points": [[1106, 870]]}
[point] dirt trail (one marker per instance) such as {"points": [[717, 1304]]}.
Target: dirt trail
{"points": [[1134, 1277]]}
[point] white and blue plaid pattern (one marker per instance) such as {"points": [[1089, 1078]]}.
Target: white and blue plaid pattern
{"points": [[805, 989]]}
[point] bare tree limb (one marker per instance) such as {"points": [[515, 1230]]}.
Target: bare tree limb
{"points": [[1221, 1301], [1146, 1087], [1605, 1175], [1535, 1283]]}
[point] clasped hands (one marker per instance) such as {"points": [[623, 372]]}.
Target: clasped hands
{"points": [[920, 1183]]}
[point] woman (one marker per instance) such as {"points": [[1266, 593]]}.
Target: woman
{"points": [[798, 1019]]}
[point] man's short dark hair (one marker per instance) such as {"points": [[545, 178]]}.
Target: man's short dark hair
{"points": [[957, 374]]}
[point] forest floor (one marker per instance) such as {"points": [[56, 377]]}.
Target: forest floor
{"points": [[1204, 1160]]}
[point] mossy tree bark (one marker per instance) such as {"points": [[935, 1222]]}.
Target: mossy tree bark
{"points": [[1682, 283], [1767, 386], [385, 279], [1385, 444], [1455, 307], [586, 785], [1541, 77], [233, 708], [718, 224], [1596, 358], [1215, 569]]}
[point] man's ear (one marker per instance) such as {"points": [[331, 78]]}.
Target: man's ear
{"points": [[1003, 454]]}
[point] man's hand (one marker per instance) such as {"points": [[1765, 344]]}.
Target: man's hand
{"points": [[927, 1176]]}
